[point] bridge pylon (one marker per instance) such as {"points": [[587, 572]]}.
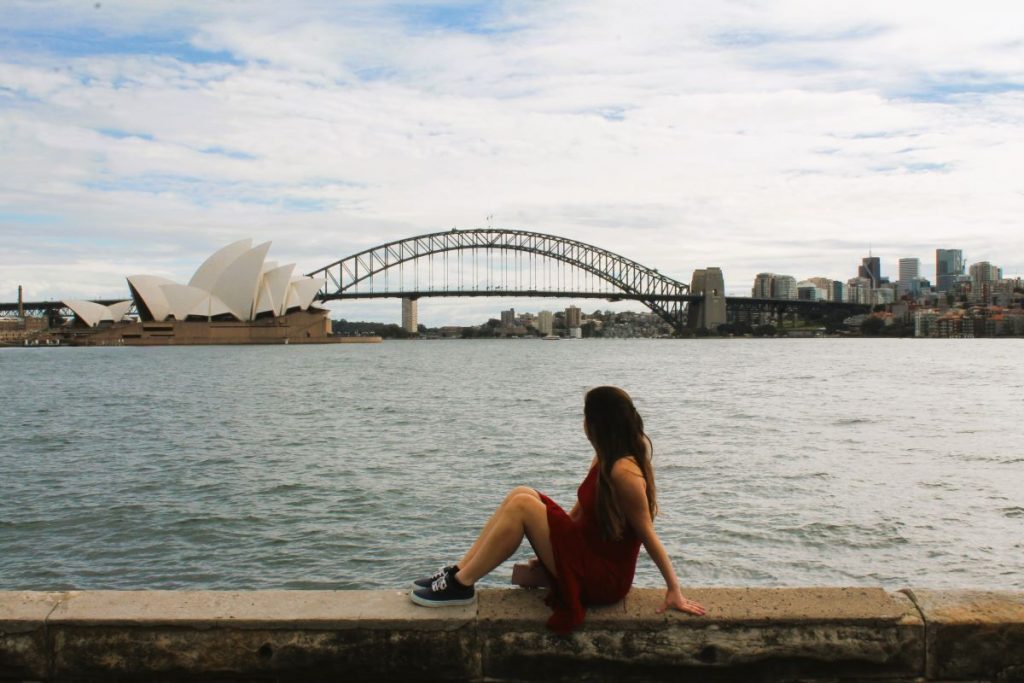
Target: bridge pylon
{"points": [[709, 310]]}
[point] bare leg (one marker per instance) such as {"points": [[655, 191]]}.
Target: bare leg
{"points": [[490, 523], [521, 515]]}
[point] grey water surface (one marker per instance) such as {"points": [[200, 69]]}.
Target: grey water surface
{"points": [[779, 462]]}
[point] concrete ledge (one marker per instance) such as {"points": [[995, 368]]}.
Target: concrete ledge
{"points": [[748, 634], [23, 646], [976, 635]]}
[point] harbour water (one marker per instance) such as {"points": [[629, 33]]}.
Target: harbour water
{"points": [[779, 462]]}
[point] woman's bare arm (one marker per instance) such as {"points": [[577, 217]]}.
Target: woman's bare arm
{"points": [[631, 491]]}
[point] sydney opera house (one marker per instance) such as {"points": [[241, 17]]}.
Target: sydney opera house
{"points": [[235, 297]]}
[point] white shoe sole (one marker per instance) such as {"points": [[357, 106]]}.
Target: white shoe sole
{"points": [[423, 602]]}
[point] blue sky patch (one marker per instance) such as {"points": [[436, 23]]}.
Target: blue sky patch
{"points": [[87, 42], [957, 87], [28, 218], [304, 204], [465, 17], [119, 134], [230, 153]]}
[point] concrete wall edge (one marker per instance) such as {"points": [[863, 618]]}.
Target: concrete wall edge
{"points": [[810, 633]]}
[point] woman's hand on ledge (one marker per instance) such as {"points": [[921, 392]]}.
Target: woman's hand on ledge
{"points": [[674, 600]]}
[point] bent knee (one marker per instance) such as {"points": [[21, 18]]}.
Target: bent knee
{"points": [[526, 502], [521, 491]]}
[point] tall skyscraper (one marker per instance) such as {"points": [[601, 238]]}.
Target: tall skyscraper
{"points": [[909, 283], [545, 322], [573, 317], [871, 269], [949, 263], [784, 287], [983, 272], [410, 317], [910, 269], [762, 286], [508, 318]]}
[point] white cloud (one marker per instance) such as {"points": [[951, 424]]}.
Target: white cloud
{"points": [[754, 136]]}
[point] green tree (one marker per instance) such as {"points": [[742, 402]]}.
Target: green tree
{"points": [[872, 326]]}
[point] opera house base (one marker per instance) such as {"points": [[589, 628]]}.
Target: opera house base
{"points": [[297, 327]]}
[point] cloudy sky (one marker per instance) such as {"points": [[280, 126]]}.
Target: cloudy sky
{"points": [[756, 136]]}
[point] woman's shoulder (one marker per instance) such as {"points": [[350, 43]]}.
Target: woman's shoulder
{"points": [[626, 466]]}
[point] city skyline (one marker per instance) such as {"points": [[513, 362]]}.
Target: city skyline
{"points": [[766, 285], [748, 136]]}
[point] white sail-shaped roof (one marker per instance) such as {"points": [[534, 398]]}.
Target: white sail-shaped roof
{"points": [[89, 312], [304, 289], [238, 283], [182, 299], [274, 289], [292, 299], [120, 309], [148, 287], [206, 275], [264, 302], [209, 306]]}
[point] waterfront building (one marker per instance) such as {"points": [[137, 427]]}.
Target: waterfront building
{"points": [[545, 322], [574, 321], [762, 286], [234, 297], [410, 316], [508, 318], [953, 324], [871, 269], [784, 287], [234, 283], [924, 322], [949, 263]]}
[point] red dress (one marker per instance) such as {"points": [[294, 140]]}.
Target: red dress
{"points": [[592, 570]]}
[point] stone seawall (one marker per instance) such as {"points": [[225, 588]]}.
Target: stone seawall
{"points": [[774, 634]]}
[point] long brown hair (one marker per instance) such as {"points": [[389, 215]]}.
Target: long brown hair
{"points": [[616, 431]]}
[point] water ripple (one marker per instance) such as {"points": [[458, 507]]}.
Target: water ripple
{"points": [[787, 463]]}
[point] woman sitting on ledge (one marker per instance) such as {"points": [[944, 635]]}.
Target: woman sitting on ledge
{"points": [[590, 553]]}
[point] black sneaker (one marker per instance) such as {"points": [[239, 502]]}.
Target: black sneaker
{"points": [[426, 581], [444, 592]]}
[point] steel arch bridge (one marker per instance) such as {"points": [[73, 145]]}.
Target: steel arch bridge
{"points": [[506, 263]]}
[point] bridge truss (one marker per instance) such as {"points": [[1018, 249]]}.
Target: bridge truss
{"points": [[506, 263]]}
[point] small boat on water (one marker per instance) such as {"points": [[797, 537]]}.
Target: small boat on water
{"points": [[551, 337]]}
